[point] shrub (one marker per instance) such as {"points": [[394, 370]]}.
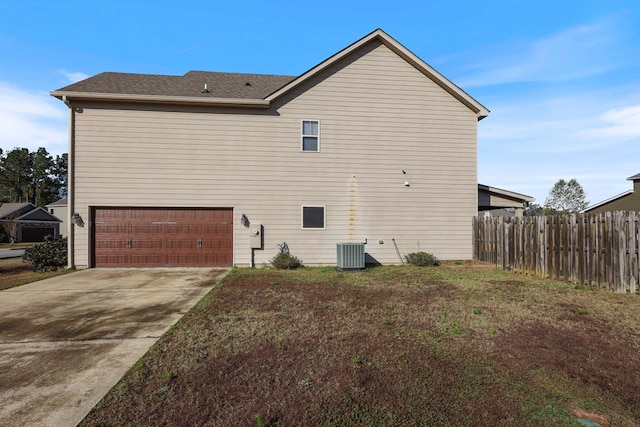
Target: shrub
{"points": [[284, 260], [47, 256], [422, 259]]}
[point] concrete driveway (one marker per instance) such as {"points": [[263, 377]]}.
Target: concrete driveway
{"points": [[65, 341]]}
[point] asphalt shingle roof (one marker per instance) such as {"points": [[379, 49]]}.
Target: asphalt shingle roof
{"points": [[219, 85], [8, 208]]}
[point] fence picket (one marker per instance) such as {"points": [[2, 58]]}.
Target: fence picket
{"points": [[633, 248]]}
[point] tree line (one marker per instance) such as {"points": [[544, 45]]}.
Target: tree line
{"points": [[36, 177]]}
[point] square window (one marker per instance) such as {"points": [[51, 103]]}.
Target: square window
{"points": [[313, 217], [310, 135]]}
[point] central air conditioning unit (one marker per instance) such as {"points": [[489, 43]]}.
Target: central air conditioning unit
{"points": [[351, 256]]}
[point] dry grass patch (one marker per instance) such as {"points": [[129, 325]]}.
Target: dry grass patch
{"points": [[389, 346], [15, 272]]}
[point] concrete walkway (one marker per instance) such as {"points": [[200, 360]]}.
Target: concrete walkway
{"points": [[65, 341], [11, 253]]}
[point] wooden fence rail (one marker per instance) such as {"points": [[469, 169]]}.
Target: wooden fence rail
{"points": [[599, 250]]}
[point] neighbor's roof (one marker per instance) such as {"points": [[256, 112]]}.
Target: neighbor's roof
{"points": [[33, 214], [230, 89], [9, 208], [506, 193], [61, 202], [611, 199]]}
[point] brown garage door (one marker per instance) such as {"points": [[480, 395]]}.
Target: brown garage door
{"points": [[154, 237]]}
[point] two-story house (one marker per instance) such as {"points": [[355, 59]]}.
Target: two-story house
{"points": [[371, 145]]}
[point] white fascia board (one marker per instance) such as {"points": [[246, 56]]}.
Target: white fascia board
{"points": [[162, 99]]}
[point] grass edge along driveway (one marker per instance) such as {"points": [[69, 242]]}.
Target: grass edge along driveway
{"points": [[450, 345]]}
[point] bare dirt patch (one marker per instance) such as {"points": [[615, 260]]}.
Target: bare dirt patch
{"points": [[390, 346]]}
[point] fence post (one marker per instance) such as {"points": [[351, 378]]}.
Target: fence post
{"points": [[542, 245], [633, 252]]}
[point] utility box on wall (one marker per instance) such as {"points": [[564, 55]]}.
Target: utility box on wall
{"points": [[351, 256], [255, 236]]}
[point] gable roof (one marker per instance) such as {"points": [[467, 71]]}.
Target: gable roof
{"points": [[609, 200], [480, 110], [633, 178], [235, 89], [27, 212], [7, 209], [38, 215]]}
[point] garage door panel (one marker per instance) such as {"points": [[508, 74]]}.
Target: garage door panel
{"points": [[183, 229], [182, 244], [147, 260], [145, 229], [115, 244], [146, 215], [112, 229], [220, 245], [147, 237], [112, 259], [141, 243], [114, 215]]}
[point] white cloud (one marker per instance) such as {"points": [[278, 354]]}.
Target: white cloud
{"points": [[618, 123], [31, 120], [527, 145], [576, 52], [73, 76]]}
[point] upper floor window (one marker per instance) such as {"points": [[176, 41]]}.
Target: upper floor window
{"points": [[310, 135]]}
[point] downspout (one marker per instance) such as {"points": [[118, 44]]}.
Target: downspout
{"points": [[70, 185]]}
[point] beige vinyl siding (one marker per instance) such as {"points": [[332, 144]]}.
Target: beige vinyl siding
{"points": [[378, 116]]}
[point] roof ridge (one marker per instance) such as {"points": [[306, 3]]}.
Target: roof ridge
{"points": [[235, 73]]}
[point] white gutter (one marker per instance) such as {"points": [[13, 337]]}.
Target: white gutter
{"points": [[162, 99]]}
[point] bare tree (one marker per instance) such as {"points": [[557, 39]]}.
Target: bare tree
{"points": [[10, 227]]}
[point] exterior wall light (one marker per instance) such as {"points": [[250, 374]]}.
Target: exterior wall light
{"points": [[77, 219]]}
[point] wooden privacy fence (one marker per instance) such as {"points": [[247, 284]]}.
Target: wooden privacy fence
{"points": [[599, 250]]}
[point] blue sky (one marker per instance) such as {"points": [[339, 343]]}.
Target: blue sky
{"points": [[561, 78]]}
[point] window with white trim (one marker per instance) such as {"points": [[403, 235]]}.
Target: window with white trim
{"points": [[310, 135], [313, 217]]}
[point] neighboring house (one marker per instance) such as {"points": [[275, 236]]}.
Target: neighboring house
{"points": [[27, 223], [498, 202], [371, 145], [60, 210], [627, 201]]}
